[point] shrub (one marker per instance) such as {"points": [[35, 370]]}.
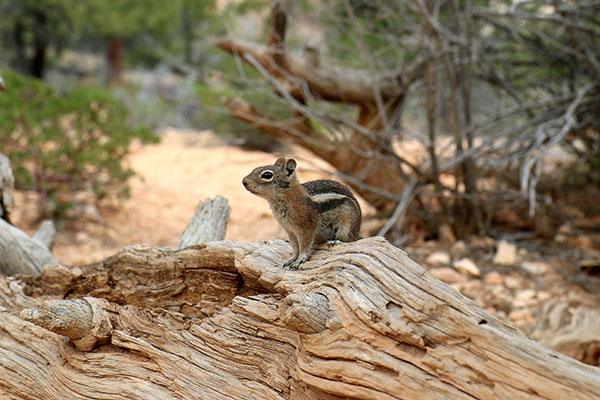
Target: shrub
{"points": [[63, 143]]}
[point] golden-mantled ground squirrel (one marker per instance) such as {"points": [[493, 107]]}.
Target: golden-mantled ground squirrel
{"points": [[311, 213]]}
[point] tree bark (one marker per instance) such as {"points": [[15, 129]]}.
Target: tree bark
{"points": [[40, 43], [224, 320], [114, 48]]}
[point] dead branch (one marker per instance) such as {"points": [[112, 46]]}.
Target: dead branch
{"points": [[20, 254], [209, 223], [7, 182], [342, 85], [46, 234]]}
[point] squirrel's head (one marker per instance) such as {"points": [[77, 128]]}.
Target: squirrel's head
{"points": [[271, 181]]}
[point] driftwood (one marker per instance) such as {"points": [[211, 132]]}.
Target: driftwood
{"points": [[224, 320], [209, 223], [20, 254]]}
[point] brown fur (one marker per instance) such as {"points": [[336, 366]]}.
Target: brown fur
{"points": [[311, 213]]}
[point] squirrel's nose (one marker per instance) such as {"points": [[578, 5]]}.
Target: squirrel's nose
{"points": [[245, 183]]}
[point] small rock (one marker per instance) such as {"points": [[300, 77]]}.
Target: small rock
{"points": [[482, 241], [438, 258], [475, 286], [494, 278], [458, 248], [561, 238], [565, 230], [512, 282], [522, 315], [535, 267], [467, 266], [498, 291], [506, 253], [525, 297], [525, 294], [448, 275], [544, 296], [501, 314]]}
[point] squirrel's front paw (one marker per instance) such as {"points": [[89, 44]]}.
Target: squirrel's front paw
{"points": [[331, 243], [294, 263], [291, 264]]}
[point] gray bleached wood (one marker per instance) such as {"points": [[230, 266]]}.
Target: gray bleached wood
{"points": [[209, 223], [7, 182], [46, 234], [20, 254]]}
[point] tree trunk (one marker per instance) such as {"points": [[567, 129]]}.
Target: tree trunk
{"points": [[40, 44], [113, 60], [224, 320]]}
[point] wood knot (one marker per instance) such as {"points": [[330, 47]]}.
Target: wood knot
{"points": [[85, 321], [305, 312]]}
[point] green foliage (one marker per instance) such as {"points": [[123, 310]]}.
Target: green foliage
{"points": [[60, 144], [218, 117], [246, 6]]}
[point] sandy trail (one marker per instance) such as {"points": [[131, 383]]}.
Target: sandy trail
{"points": [[185, 168]]}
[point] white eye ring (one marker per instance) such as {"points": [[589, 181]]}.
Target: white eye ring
{"points": [[267, 176]]}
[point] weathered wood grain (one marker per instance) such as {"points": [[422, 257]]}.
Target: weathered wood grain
{"points": [[208, 224], [360, 320], [46, 234], [20, 254]]}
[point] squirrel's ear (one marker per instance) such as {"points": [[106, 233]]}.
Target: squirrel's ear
{"points": [[280, 161], [290, 166]]}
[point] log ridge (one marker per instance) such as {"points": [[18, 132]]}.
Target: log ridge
{"points": [[360, 320]]}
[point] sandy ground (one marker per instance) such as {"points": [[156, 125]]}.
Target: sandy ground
{"points": [[185, 168]]}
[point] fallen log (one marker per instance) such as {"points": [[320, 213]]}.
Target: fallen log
{"points": [[224, 320]]}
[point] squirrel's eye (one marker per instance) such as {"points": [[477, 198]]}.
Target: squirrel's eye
{"points": [[267, 175]]}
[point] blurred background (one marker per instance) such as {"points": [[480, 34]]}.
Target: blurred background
{"points": [[470, 129]]}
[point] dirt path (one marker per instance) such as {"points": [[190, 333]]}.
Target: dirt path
{"points": [[185, 168]]}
